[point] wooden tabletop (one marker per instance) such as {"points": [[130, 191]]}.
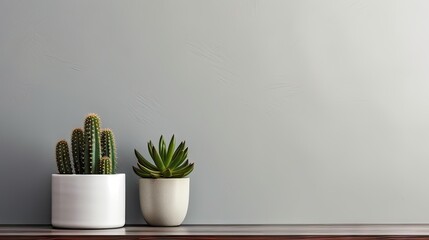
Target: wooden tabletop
{"points": [[337, 232]]}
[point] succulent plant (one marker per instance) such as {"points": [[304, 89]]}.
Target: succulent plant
{"points": [[89, 148], [63, 158], [92, 143], [108, 147], [169, 162], [105, 166], [78, 151]]}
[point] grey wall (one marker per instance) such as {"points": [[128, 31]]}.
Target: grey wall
{"points": [[294, 111]]}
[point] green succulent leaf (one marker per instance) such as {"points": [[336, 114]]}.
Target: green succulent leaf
{"points": [[157, 159], [170, 152], [140, 173], [185, 154], [178, 150], [143, 161], [185, 164], [167, 173], [180, 158], [162, 149], [155, 175], [147, 170], [185, 171], [150, 147]]}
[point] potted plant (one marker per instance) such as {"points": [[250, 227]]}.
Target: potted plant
{"points": [[88, 193], [164, 187]]}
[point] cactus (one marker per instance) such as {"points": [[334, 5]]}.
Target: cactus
{"points": [[169, 162], [78, 151], [63, 158], [92, 143], [105, 166], [108, 148], [90, 148]]}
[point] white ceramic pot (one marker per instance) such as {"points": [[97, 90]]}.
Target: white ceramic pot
{"points": [[89, 201], [164, 201]]}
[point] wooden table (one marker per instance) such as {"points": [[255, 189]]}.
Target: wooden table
{"points": [[224, 232]]}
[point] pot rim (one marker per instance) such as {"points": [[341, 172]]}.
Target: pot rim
{"points": [[86, 175], [165, 179]]}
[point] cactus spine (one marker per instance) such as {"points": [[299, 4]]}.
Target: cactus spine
{"points": [[92, 143], [108, 148], [78, 150], [63, 158], [105, 166]]}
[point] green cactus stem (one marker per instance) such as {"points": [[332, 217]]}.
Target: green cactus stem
{"points": [[105, 166], [92, 143], [78, 151], [108, 148], [63, 158], [88, 145]]}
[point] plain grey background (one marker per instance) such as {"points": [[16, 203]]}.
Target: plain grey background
{"points": [[294, 111]]}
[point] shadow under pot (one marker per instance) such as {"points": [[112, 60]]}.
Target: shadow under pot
{"points": [[88, 201], [164, 201]]}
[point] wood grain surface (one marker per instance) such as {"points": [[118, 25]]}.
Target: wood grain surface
{"points": [[270, 237], [225, 232]]}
